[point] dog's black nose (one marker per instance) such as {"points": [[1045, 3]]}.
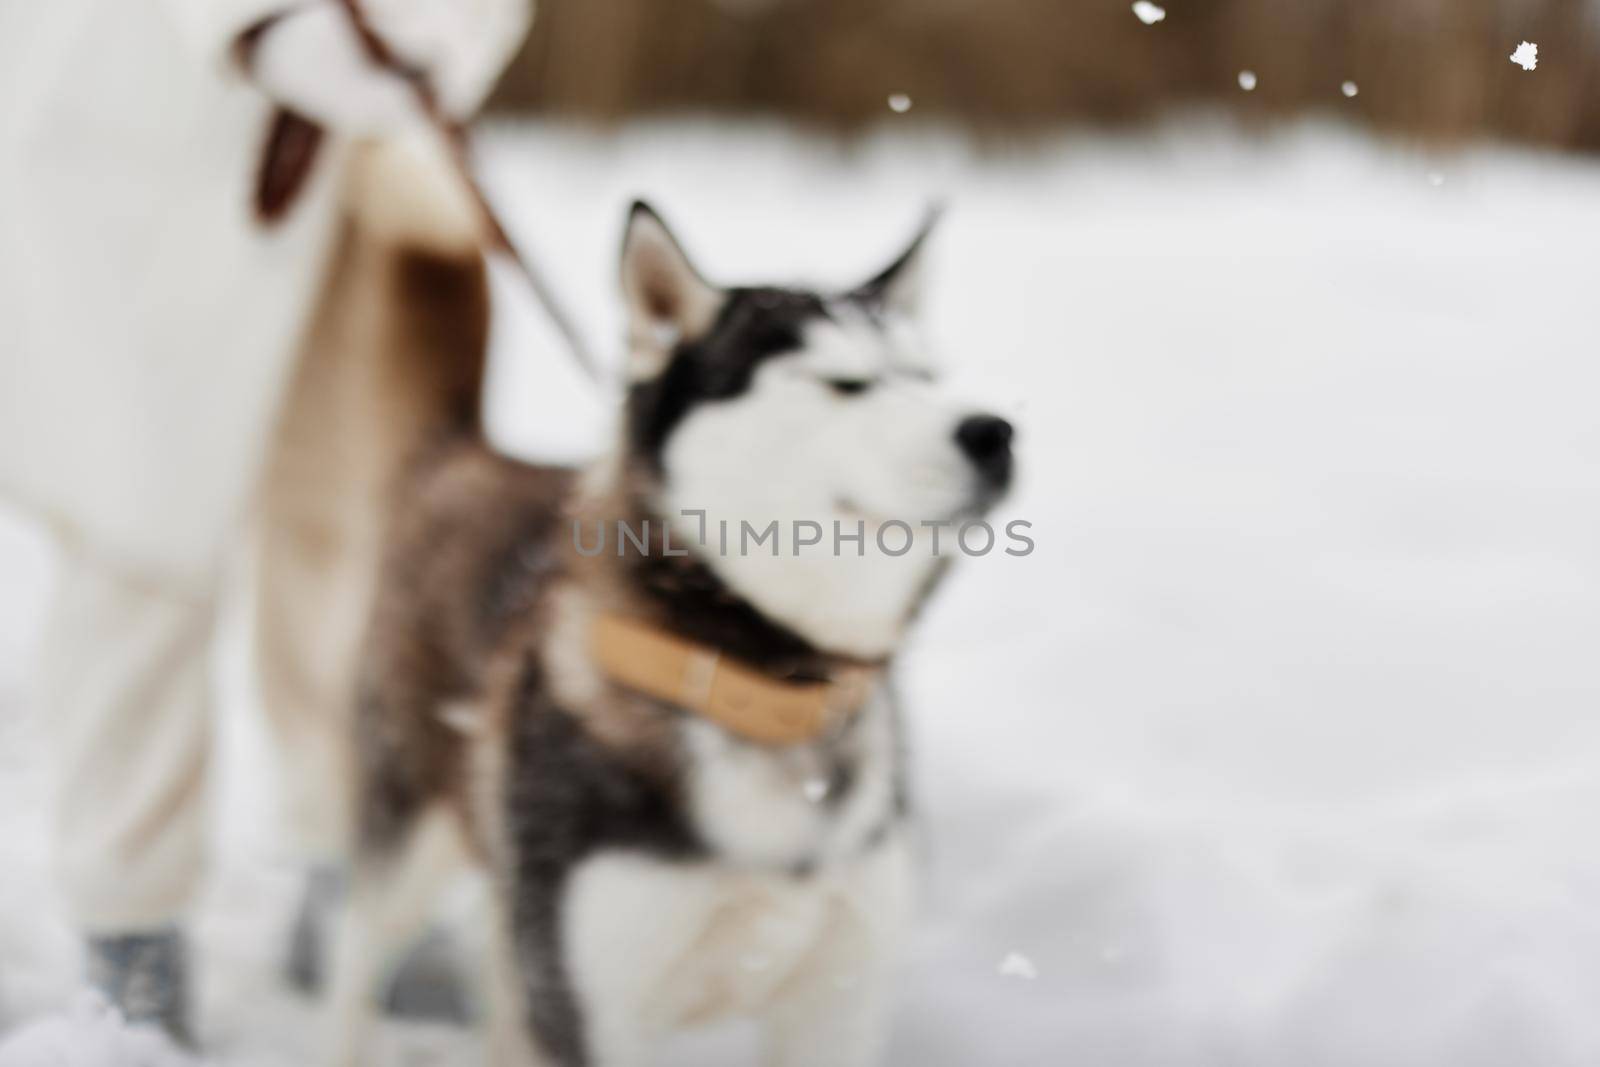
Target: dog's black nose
{"points": [[986, 439]]}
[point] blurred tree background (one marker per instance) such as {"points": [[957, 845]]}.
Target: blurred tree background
{"points": [[1438, 69]]}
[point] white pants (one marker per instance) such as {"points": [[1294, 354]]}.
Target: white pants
{"points": [[127, 657], [128, 689]]}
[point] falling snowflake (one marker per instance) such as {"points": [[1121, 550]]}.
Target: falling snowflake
{"points": [[1435, 179], [1247, 80], [1349, 88], [899, 103], [1148, 13], [815, 789], [1526, 56], [1016, 965]]}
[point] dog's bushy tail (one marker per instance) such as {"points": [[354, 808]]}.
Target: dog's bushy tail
{"points": [[389, 371], [416, 287]]}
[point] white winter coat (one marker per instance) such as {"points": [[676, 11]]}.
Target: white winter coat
{"points": [[146, 320]]}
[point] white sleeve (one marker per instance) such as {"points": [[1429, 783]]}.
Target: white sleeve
{"points": [[464, 45], [213, 27], [314, 62]]}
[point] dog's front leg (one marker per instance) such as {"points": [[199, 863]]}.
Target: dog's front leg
{"points": [[510, 1041], [630, 923], [566, 975], [388, 904], [833, 1016], [834, 1012]]}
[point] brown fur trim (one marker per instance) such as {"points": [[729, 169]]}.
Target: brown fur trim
{"points": [[244, 46], [288, 155], [290, 147]]}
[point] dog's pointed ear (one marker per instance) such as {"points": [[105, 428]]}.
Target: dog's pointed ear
{"points": [[667, 298], [898, 287]]}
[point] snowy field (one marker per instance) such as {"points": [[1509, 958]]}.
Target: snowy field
{"points": [[1283, 748]]}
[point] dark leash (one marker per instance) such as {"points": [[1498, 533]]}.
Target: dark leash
{"points": [[293, 143]]}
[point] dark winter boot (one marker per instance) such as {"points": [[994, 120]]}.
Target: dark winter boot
{"points": [[427, 986], [313, 924], [146, 977]]}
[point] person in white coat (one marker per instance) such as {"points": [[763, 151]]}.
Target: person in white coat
{"points": [[151, 322]]}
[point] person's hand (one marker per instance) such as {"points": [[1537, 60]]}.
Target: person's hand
{"points": [[312, 60], [462, 45]]}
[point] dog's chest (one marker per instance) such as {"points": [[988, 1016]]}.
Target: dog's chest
{"points": [[794, 869], [795, 808], [683, 944]]}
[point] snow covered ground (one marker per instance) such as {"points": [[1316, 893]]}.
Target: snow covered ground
{"points": [[1284, 746]]}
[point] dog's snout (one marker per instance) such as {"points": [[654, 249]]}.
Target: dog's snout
{"points": [[986, 440]]}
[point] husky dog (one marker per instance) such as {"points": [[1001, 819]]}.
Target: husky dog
{"points": [[675, 753]]}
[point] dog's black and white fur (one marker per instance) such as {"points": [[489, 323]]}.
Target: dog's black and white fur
{"points": [[650, 869]]}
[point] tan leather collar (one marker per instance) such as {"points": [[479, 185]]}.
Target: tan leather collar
{"points": [[731, 694]]}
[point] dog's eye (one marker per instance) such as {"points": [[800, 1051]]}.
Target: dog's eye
{"points": [[849, 386]]}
